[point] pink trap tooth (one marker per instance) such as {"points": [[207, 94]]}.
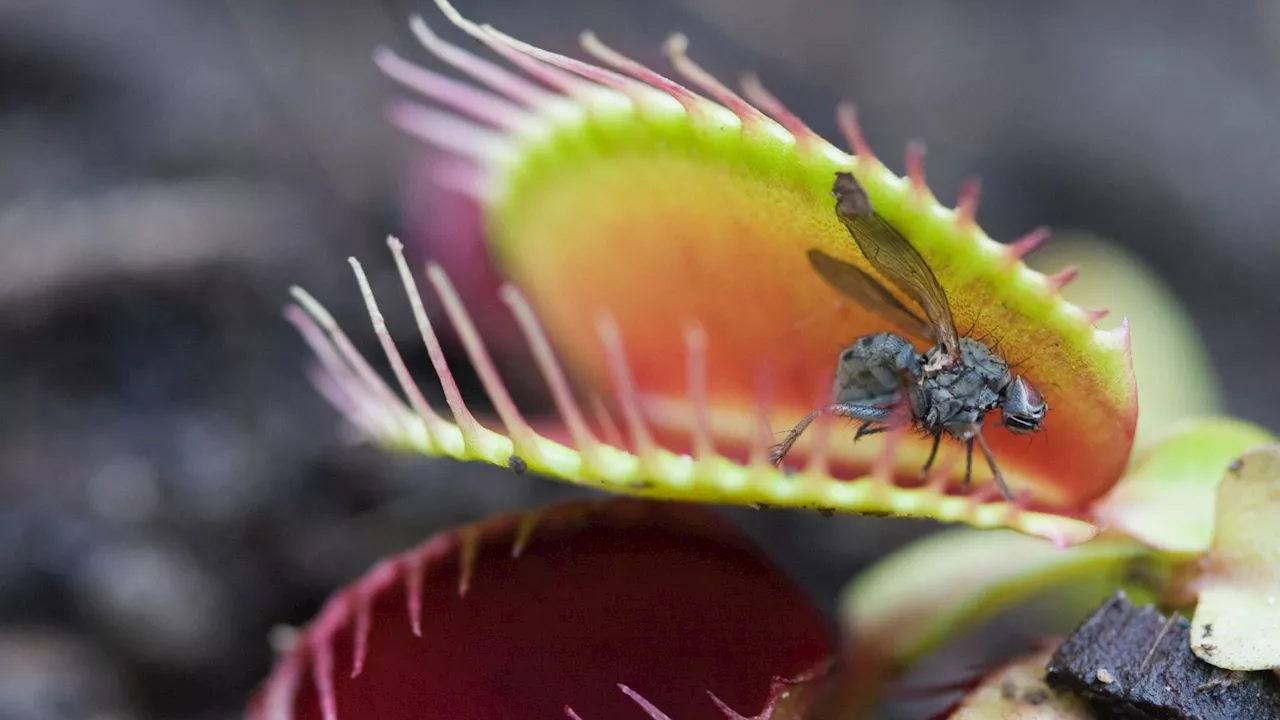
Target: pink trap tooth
{"points": [[818, 463], [588, 71], [553, 373], [695, 343], [384, 400], [1028, 243], [334, 379], [413, 579], [693, 103], [460, 175], [315, 339], [628, 396], [755, 91], [474, 102], [915, 170], [1093, 316], [1021, 503], [360, 634], [322, 677], [1063, 278], [847, 119], [523, 438], [551, 76], [507, 83], [652, 710], [367, 417], [468, 546], [467, 425], [723, 707], [450, 132], [967, 203], [548, 74], [340, 398], [612, 434], [983, 494], [886, 465], [433, 423], [524, 533], [762, 434], [762, 438], [282, 686], [676, 48]]}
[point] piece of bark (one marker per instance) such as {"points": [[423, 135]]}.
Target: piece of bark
{"points": [[1134, 664]]}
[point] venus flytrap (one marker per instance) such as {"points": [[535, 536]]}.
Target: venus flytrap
{"points": [[631, 214], [652, 234], [514, 617]]}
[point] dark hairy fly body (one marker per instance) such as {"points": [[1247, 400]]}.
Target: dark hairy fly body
{"points": [[948, 389]]}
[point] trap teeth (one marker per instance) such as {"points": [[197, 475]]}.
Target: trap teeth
{"points": [[1028, 243], [847, 119], [915, 169], [1062, 278], [1093, 316], [967, 203]]}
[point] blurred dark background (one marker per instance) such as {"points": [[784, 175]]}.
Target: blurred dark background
{"points": [[171, 488]]}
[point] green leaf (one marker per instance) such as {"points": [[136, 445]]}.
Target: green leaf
{"points": [[914, 600], [1167, 499], [1237, 623]]}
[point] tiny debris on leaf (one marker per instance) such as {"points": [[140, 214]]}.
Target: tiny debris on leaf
{"points": [[1017, 691], [1129, 662], [517, 465]]}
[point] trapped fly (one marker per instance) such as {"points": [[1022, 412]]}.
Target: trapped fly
{"points": [[950, 388]]}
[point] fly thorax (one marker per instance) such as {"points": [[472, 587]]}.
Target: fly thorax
{"points": [[960, 393], [986, 362]]}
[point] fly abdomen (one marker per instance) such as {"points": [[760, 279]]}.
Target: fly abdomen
{"points": [[869, 371]]}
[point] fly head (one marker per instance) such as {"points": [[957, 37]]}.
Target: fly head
{"points": [[1023, 407]]}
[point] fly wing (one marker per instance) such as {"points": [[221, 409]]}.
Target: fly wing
{"points": [[892, 256], [869, 293]]}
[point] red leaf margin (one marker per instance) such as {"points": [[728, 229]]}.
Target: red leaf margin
{"points": [[523, 615]]}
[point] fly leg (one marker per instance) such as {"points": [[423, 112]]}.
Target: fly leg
{"points": [[991, 462], [924, 471], [968, 461], [868, 428], [867, 415]]}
